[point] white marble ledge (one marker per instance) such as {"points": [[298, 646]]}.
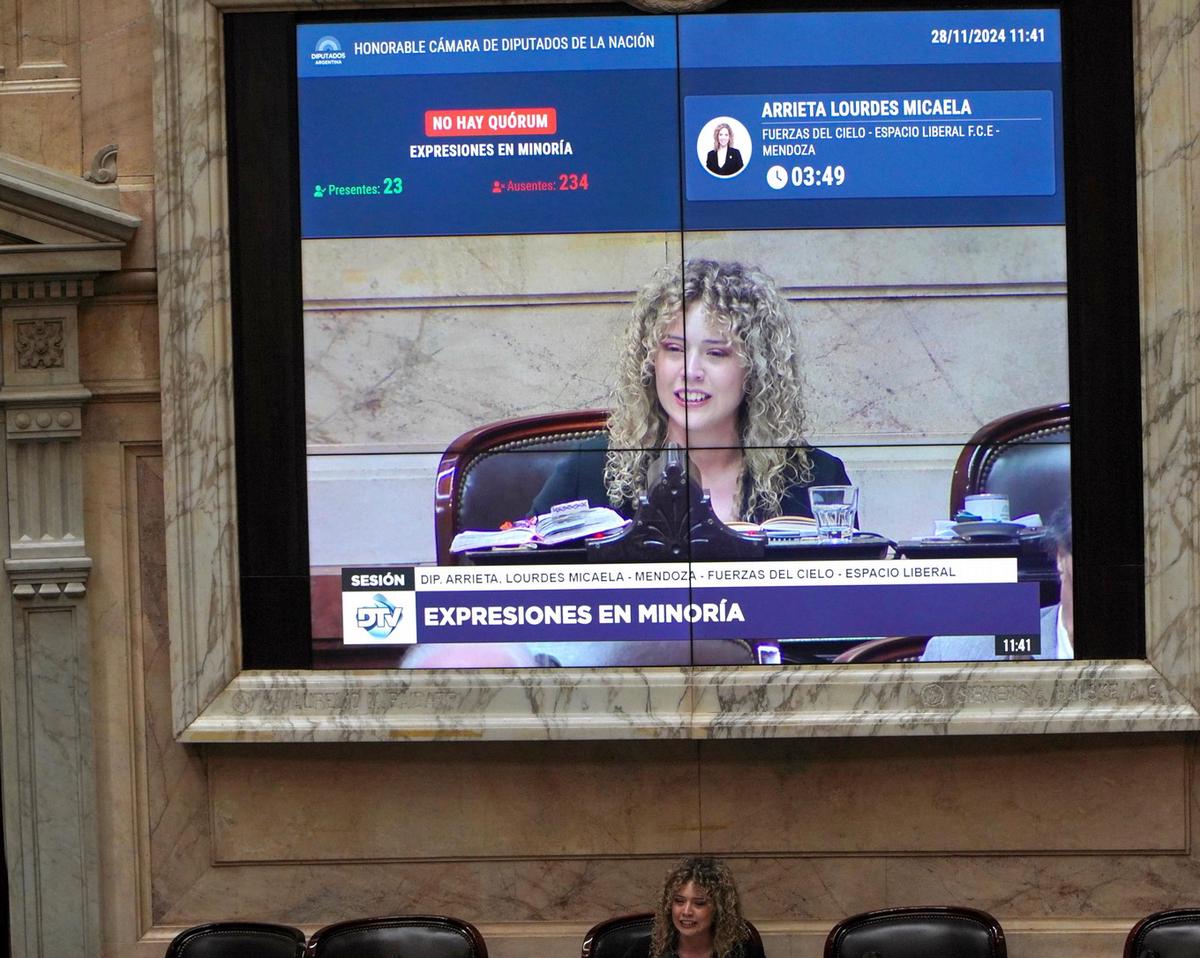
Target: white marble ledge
{"points": [[951, 698], [674, 703]]}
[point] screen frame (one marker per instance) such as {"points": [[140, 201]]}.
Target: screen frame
{"points": [[215, 698]]}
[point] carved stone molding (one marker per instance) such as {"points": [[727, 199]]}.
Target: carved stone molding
{"points": [[37, 288], [48, 579], [39, 344], [65, 233], [674, 6], [104, 165], [52, 213], [44, 422]]}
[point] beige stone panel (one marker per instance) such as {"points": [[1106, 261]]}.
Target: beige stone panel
{"points": [[800, 888], [849, 258], [583, 890], [413, 379], [954, 797], [125, 598], [117, 68], [531, 800], [154, 825], [39, 39], [42, 128], [454, 266], [118, 346], [178, 838], [929, 368], [1083, 886], [138, 199], [45, 34]]}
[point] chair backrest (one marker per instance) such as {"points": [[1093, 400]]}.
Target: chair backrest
{"points": [[491, 474], [894, 648], [238, 939], [1025, 456], [400, 936], [1165, 934], [613, 937], [933, 932]]}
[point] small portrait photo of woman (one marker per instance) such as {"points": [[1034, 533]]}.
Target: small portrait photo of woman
{"points": [[724, 146]]}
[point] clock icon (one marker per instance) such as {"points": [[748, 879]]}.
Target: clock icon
{"points": [[777, 177]]}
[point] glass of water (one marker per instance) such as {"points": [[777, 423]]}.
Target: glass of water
{"points": [[835, 509]]}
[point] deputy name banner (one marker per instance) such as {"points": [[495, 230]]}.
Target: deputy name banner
{"points": [[804, 146], [673, 601]]}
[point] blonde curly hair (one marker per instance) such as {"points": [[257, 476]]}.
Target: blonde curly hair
{"points": [[728, 926], [745, 306]]}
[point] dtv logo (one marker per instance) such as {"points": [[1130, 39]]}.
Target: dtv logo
{"points": [[378, 620]]}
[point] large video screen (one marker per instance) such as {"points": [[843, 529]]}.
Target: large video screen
{"points": [[657, 340]]}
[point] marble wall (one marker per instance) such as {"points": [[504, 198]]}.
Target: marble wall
{"points": [[1065, 838]]}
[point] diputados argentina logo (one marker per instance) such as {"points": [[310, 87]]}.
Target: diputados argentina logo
{"points": [[379, 606], [328, 52]]}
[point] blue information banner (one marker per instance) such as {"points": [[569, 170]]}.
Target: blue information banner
{"points": [[573, 124], [721, 41], [486, 46], [898, 118], [489, 127], [796, 146], [779, 613]]}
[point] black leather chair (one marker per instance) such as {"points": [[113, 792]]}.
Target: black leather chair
{"points": [[894, 648], [614, 937], [1165, 934], [400, 936], [1025, 456], [238, 939], [491, 474], [933, 932]]}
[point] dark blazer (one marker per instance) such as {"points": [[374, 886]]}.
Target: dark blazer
{"points": [[733, 162], [745, 949], [581, 476]]}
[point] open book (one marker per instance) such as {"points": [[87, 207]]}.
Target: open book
{"points": [[780, 527], [563, 523]]}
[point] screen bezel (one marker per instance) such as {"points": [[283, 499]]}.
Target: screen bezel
{"points": [[266, 285], [194, 321]]}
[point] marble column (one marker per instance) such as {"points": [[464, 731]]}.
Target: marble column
{"points": [[62, 233], [49, 812]]}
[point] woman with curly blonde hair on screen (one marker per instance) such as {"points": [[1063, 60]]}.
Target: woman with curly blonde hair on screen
{"points": [[709, 361]]}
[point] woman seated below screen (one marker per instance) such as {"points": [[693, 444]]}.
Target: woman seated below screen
{"points": [[709, 361], [699, 915]]}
